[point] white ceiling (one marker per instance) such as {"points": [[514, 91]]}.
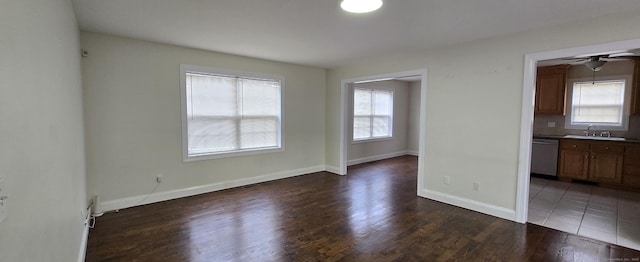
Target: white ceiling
{"points": [[319, 33]]}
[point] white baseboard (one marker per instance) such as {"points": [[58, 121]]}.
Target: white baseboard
{"points": [[413, 153], [470, 204], [196, 190], [332, 169], [375, 158]]}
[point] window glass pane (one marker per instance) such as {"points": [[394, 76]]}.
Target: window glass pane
{"points": [[362, 102], [257, 133], [599, 102], [382, 103], [361, 127], [211, 135], [211, 95], [260, 97], [597, 114], [381, 126]]}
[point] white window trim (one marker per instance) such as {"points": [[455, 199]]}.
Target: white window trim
{"points": [[184, 69], [625, 107], [377, 138]]}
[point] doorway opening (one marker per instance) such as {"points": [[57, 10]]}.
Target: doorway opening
{"points": [[416, 79], [544, 188]]}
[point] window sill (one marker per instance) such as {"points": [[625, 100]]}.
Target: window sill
{"points": [[371, 140], [248, 152]]}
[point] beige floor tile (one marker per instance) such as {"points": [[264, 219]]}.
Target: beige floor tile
{"points": [[597, 234], [600, 213]]}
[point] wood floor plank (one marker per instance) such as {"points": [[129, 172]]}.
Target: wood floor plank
{"points": [[372, 214]]}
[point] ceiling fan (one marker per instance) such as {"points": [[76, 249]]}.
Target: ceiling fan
{"points": [[596, 61]]}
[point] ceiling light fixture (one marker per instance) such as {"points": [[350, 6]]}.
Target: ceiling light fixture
{"points": [[595, 64], [360, 6]]}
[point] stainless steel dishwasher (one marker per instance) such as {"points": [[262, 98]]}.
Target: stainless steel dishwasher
{"points": [[544, 157]]}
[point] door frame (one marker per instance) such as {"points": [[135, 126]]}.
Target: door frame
{"points": [[344, 103], [528, 103]]}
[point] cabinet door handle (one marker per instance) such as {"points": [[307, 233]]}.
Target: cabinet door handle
{"points": [[607, 148], [574, 146]]}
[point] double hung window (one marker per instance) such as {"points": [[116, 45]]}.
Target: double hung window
{"points": [[598, 103], [372, 114], [226, 113]]}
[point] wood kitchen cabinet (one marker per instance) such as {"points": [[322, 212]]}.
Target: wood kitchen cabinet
{"points": [[635, 91], [631, 167], [605, 164], [551, 85], [591, 161], [574, 160]]}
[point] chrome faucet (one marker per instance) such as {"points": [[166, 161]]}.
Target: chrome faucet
{"points": [[588, 133]]}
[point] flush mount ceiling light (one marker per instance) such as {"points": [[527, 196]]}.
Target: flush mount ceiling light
{"points": [[360, 6]]}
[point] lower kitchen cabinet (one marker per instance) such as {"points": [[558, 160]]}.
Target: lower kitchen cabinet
{"points": [[631, 168], [574, 160], [606, 163], [591, 161]]}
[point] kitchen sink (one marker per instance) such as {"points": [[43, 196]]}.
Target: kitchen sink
{"points": [[595, 138]]}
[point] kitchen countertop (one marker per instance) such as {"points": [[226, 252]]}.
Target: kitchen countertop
{"points": [[559, 137]]}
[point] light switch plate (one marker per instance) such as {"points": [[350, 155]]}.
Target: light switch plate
{"points": [[551, 124]]}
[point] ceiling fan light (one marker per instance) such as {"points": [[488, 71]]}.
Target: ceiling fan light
{"points": [[360, 6], [595, 65]]}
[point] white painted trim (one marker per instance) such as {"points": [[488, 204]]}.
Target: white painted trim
{"points": [[422, 133], [526, 123], [376, 158], [83, 242], [470, 204], [333, 169], [201, 189], [344, 93], [413, 153]]}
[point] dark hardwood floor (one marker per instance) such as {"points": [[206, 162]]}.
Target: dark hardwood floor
{"points": [[372, 214]]}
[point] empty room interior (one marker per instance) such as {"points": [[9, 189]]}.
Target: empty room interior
{"points": [[309, 130]]}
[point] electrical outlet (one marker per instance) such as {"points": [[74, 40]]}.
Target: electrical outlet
{"points": [[447, 180], [476, 186], [159, 178], [551, 124]]}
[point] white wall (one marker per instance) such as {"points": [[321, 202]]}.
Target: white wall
{"points": [[360, 152], [413, 128], [42, 140], [133, 122], [473, 104]]}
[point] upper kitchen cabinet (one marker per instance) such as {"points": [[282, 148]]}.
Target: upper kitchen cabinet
{"points": [[635, 91], [551, 84]]}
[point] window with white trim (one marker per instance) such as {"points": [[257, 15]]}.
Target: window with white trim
{"points": [[227, 113], [598, 103], [372, 114]]}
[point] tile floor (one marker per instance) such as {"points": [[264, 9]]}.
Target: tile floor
{"points": [[604, 214]]}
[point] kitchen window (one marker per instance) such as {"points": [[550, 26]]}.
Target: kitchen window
{"points": [[229, 113], [600, 103], [372, 114]]}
